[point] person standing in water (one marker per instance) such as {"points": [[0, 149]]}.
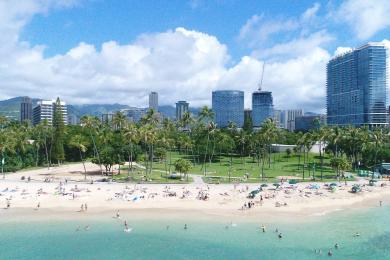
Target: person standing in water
{"points": [[185, 226]]}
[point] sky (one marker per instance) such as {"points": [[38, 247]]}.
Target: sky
{"points": [[104, 51]]}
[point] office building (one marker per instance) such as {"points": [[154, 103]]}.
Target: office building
{"points": [[356, 87], [106, 118], [45, 110], [181, 108], [26, 110], [153, 101], [262, 107], [228, 106], [277, 118], [290, 118], [306, 123], [247, 114], [134, 114], [73, 119]]}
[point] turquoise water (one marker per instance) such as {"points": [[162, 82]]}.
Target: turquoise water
{"points": [[202, 240]]}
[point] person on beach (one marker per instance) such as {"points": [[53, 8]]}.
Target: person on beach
{"points": [[8, 204], [117, 214], [38, 205], [82, 207], [380, 203], [85, 207]]}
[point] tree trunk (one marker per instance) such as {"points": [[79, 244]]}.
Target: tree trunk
{"points": [[205, 155]]}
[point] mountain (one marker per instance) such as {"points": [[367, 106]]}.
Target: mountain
{"points": [[95, 109], [11, 109]]}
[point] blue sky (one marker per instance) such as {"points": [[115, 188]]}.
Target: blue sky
{"points": [[98, 21], [101, 51]]}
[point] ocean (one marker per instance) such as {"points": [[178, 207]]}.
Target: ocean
{"points": [[203, 239]]}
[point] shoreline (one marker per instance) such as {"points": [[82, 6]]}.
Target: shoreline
{"points": [[55, 208], [63, 197]]}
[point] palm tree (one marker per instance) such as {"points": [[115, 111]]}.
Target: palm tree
{"points": [[7, 144], [79, 142], [92, 125], [211, 127], [152, 117], [132, 135], [119, 120]]}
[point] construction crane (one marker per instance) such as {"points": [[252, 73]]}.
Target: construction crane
{"points": [[261, 78]]}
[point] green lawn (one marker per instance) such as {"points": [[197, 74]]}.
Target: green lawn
{"points": [[138, 176], [218, 169]]}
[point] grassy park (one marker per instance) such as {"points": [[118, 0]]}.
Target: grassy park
{"points": [[246, 169]]}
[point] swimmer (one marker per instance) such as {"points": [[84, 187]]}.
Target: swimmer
{"points": [[276, 230], [336, 246], [263, 228], [78, 228], [330, 253], [280, 235], [185, 226], [357, 234], [87, 227]]}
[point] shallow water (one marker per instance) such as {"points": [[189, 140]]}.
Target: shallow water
{"points": [[150, 239]]}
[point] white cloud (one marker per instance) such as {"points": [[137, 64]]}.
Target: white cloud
{"points": [[258, 30], [311, 12], [342, 50], [179, 64], [365, 17]]}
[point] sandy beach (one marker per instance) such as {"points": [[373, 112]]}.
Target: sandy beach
{"points": [[67, 191]]}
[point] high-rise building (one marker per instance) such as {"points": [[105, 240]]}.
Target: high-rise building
{"points": [[134, 114], [26, 110], [248, 114], [262, 107], [228, 106], [153, 101], [306, 123], [45, 111], [277, 118], [106, 118], [181, 108], [290, 118], [356, 87]]}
